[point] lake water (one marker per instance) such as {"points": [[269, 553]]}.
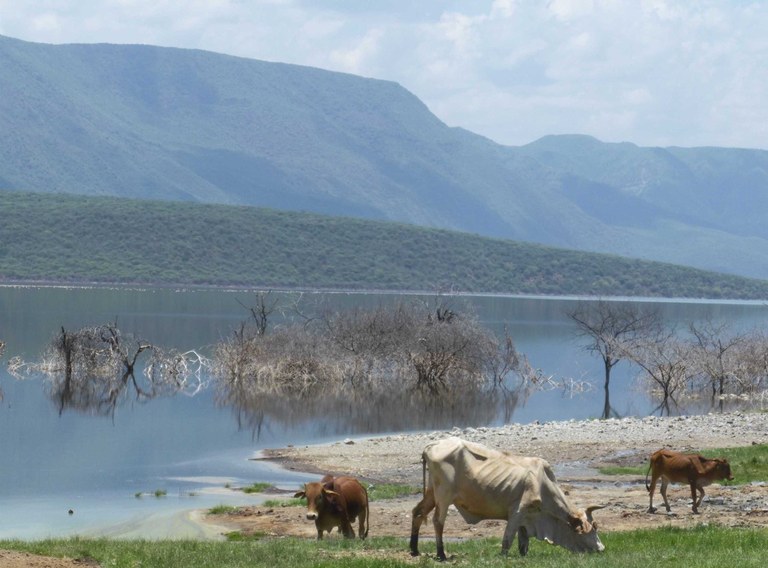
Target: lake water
{"points": [[190, 447]]}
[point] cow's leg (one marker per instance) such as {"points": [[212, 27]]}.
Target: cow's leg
{"points": [[418, 516], [701, 496], [361, 524], [522, 541], [695, 500], [514, 526], [654, 479], [438, 520], [345, 527], [319, 530], [664, 485]]}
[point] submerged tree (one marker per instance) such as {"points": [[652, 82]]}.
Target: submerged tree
{"points": [[405, 357], [612, 329], [667, 366], [715, 352], [91, 369]]}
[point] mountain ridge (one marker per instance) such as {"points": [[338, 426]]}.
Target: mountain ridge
{"points": [[151, 122]]}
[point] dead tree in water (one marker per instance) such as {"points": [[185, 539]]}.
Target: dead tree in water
{"points": [[667, 367], [92, 368], [717, 357], [612, 329]]}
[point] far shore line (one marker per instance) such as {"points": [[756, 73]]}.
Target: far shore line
{"points": [[188, 287]]}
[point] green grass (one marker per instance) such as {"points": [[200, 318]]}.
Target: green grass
{"points": [[381, 491], [702, 547], [222, 509], [257, 487], [284, 502], [748, 463]]}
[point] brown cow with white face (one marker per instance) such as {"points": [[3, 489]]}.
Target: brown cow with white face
{"points": [[693, 469], [337, 502]]}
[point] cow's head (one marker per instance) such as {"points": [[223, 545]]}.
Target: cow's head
{"points": [[723, 469], [320, 498], [582, 536]]}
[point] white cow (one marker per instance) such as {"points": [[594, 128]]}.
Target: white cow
{"points": [[484, 483]]}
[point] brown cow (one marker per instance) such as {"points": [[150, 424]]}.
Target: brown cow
{"points": [[336, 502], [693, 469]]}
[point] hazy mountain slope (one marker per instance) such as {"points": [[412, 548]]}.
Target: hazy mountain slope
{"points": [[703, 207], [715, 188], [149, 122], [164, 123]]}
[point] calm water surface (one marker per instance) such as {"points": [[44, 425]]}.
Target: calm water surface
{"points": [[190, 447]]}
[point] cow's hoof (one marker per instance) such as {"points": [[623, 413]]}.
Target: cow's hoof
{"points": [[652, 510], [415, 553]]}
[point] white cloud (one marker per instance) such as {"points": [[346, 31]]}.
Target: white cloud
{"points": [[654, 72]]}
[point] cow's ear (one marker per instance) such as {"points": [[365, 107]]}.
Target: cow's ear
{"points": [[299, 495], [578, 524]]}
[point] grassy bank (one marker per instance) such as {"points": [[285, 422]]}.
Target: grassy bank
{"points": [[701, 547]]}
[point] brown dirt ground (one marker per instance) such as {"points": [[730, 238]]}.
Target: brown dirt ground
{"points": [[625, 509], [625, 499], [12, 559]]}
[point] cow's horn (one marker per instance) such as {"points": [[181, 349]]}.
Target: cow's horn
{"points": [[593, 508]]}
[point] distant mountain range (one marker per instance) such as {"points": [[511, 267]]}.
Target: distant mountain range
{"points": [[160, 123]]}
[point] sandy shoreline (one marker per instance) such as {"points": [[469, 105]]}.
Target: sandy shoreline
{"points": [[574, 447]]}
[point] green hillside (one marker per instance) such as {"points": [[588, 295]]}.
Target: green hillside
{"points": [[89, 239]]}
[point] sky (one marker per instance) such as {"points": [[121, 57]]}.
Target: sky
{"points": [[651, 72]]}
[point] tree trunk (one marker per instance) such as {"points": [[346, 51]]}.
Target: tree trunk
{"points": [[606, 385]]}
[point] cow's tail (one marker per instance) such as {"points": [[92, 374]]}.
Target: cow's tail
{"points": [[423, 474], [647, 474]]}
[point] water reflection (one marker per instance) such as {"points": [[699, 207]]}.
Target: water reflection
{"points": [[355, 414]]}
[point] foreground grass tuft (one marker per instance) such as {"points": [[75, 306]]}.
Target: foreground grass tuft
{"points": [[703, 547]]}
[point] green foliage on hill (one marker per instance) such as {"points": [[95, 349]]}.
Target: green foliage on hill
{"points": [[110, 240]]}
